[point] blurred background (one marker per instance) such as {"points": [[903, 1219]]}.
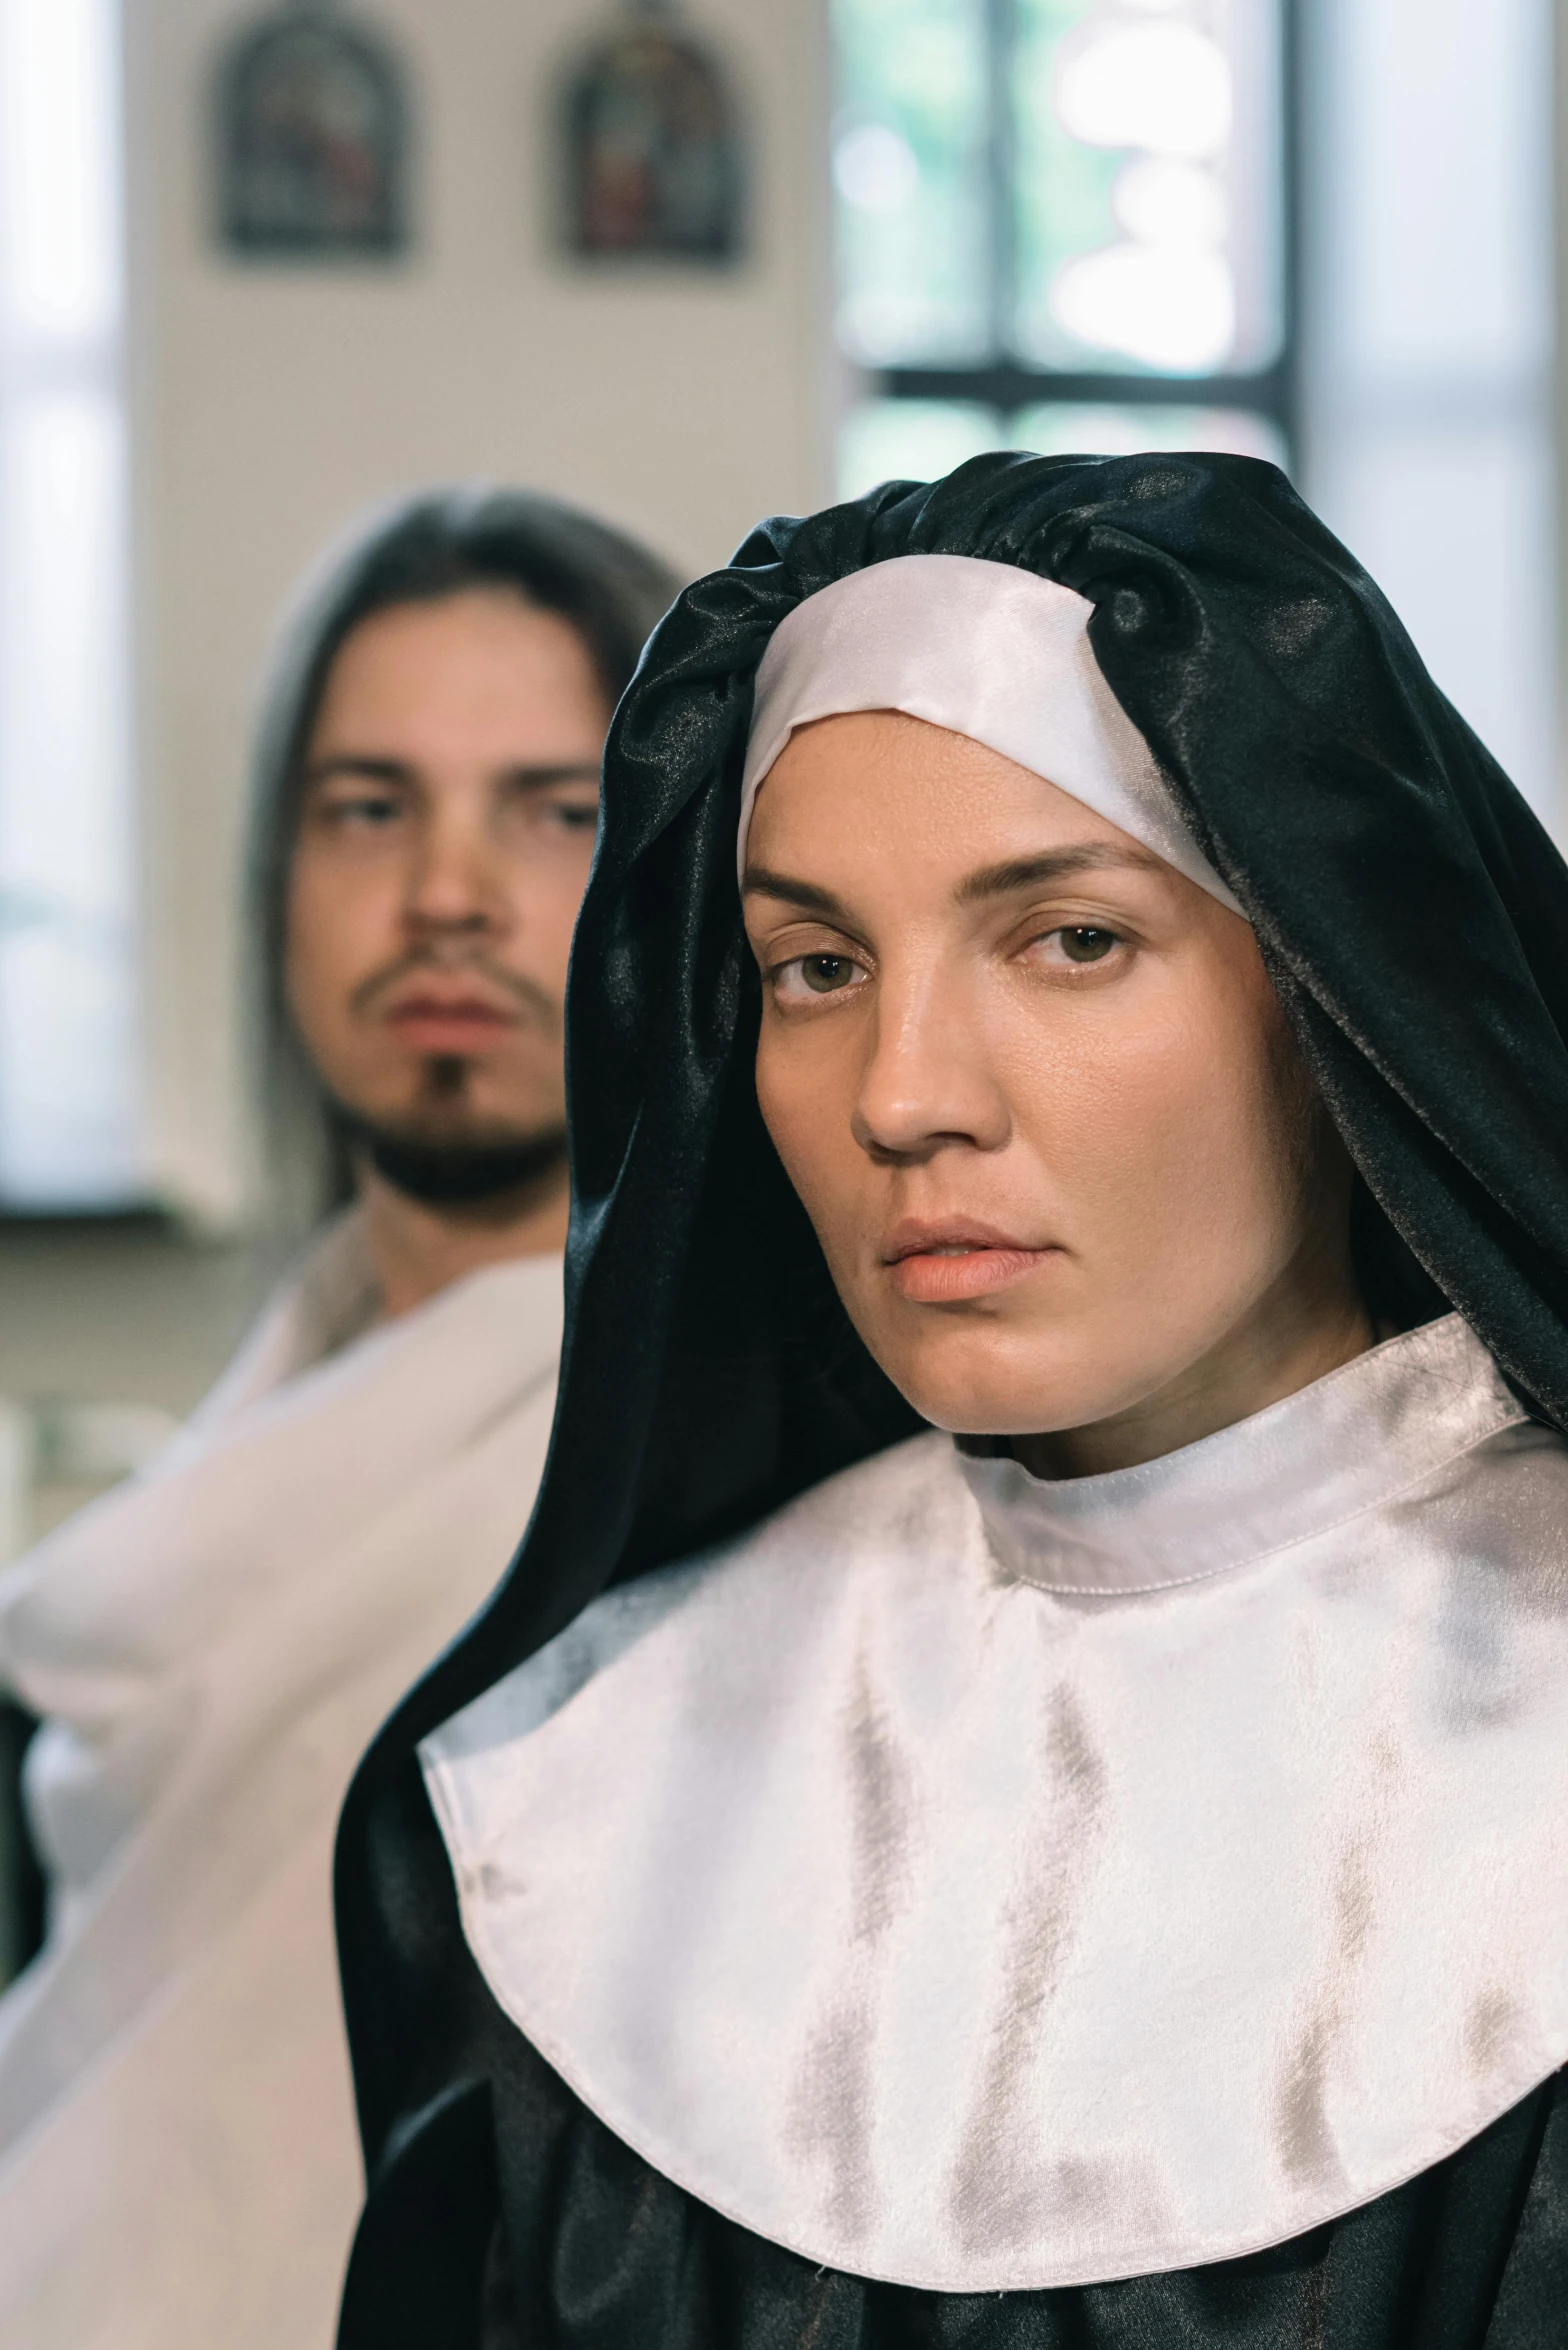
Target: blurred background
{"points": [[689, 264]]}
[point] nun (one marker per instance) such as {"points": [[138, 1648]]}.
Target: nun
{"points": [[1018, 1791]]}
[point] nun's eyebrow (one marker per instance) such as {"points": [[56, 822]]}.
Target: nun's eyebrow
{"points": [[997, 881], [992, 881], [761, 881]]}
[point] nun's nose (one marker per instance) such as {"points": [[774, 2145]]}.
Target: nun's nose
{"points": [[927, 1081]]}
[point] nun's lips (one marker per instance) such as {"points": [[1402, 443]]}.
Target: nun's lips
{"points": [[944, 1262]]}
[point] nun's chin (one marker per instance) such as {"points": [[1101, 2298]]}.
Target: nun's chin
{"points": [[1085, 1369], [1023, 1355], [1019, 1388]]}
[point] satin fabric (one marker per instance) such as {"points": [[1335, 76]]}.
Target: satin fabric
{"points": [[512, 2219], [1414, 917], [827, 1870], [209, 1648], [985, 650], [1470, 2256]]}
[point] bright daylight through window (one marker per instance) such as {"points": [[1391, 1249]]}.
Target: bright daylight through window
{"points": [[68, 1094], [1061, 225]]}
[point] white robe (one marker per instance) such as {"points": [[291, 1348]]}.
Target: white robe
{"points": [[212, 1646]]}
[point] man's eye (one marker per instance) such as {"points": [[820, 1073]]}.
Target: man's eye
{"points": [[571, 816], [378, 810], [1084, 944]]}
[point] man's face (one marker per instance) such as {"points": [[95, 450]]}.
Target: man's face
{"points": [[443, 847]]}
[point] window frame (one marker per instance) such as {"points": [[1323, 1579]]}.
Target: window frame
{"points": [[1006, 384]]}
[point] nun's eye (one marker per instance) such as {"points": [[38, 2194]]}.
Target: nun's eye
{"points": [[1085, 945], [806, 976], [825, 974]]}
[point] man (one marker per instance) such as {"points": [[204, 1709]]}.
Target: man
{"points": [[210, 1649]]}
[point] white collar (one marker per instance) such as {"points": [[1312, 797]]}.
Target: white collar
{"points": [[1346, 1444], [984, 1885]]}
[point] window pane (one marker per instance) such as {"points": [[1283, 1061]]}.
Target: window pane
{"points": [[1434, 424], [68, 1027], [1148, 161], [1063, 429], [911, 440], [909, 176], [59, 274]]}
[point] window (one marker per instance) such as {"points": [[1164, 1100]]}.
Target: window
{"points": [[1061, 224], [1431, 422], [68, 1093]]}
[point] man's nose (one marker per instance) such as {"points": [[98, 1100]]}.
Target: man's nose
{"points": [[455, 886], [928, 1080]]}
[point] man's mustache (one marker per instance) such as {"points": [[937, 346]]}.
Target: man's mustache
{"points": [[534, 1002]]}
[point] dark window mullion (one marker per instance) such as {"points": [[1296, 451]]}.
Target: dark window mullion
{"points": [[1009, 386], [1001, 43]]}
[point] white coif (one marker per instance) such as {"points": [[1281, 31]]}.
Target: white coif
{"points": [[985, 1884], [982, 649]]}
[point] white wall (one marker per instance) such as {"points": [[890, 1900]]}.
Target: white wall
{"points": [[270, 405]]}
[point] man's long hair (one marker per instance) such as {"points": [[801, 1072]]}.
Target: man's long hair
{"points": [[420, 550]]}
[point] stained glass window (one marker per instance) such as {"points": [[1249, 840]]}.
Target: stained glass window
{"points": [[1062, 217]]}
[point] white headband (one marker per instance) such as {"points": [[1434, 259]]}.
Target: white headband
{"points": [[985, 650]]}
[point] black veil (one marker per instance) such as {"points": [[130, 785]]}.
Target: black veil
{"points": [[1413, 915]]}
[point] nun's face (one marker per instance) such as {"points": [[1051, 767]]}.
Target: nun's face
{"points": [[1040, 1101]]}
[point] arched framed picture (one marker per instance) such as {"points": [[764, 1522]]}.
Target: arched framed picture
{"points": [[654, 156], [313, 139]]}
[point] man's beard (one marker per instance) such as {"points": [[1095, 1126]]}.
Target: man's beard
{"points": [[451, 1171]]}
